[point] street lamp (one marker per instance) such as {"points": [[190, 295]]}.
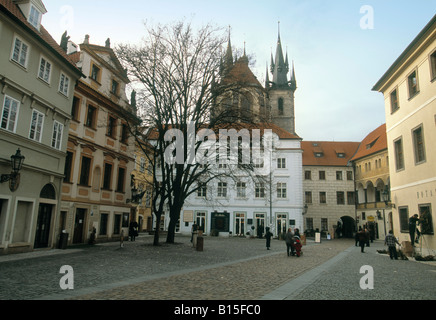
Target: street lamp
{"points": [[17, 161]]}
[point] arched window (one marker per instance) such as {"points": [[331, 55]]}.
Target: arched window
{"points": [[48, 192], [281, 108]]}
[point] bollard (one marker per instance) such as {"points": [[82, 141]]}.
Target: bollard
{"points": [[200, 241]]}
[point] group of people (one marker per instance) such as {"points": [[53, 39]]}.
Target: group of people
{"points": [[363, 237], [292, 239]]}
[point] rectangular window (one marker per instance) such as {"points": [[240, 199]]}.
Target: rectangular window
{"points": [[91, 117], [114, 88], [340, 197], [107, 178], [20, 52], [418, 144], [350, 175], [260, 190], [95, 72], [399, 156], [308, 197], [433, 65], [56, 141], [338, 175], [412, 81], [322, 175], [124, 133], [309, 223], [36, 125], [281, 190], [85, 171], [281, 163], [202, 190], [241, 190], [111, 127], [307, 175], [121, 178], [34, 17], [324, 224], [64, 84], [404, 219], [75, 110], [103, 224], [394, 101], [322, 197], [68, 167], [44, 70], [10, 114], [222, 189]]}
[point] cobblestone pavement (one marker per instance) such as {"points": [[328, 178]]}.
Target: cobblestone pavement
{"points": [[226, 269]]}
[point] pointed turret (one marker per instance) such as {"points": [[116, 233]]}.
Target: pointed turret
{"points": [[281, 67], [293, 82], [228, 58]]}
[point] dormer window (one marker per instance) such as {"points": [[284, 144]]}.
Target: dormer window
{"points": [[341, 155], [318, 154], [35, 17]]}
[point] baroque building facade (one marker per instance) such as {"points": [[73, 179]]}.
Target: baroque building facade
{"points": [[371, 168], [96, 191]]}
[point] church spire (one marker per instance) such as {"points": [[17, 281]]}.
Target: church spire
{"points": [[228, 58], [293, 82], [281, 67]]}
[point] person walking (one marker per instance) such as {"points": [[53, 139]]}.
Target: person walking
{"points": [[289, 238], [356, 237], [363, 239], [268, 236], [391, 242], [133, 230]]}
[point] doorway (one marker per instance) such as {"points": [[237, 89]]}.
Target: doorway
{"points": [[79, 224], [42, 234], [281, 223], [260, 224], [240, 224]]}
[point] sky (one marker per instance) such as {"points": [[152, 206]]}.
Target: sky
{"points": [[340, 48]]}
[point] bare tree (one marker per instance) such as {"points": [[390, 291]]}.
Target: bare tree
{"points": [[176, 72]]}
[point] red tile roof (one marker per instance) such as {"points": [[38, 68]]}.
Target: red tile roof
{"points": [[374, 142], [328, 152], [12, 9], [240, 73]]}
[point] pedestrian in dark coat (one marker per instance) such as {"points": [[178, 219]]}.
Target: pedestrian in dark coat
{"points": [[363, 239], [412, 228], [268, 236], [133, 230], [289, 238]]}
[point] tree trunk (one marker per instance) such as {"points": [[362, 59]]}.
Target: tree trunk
{"points": [[156, 231]]}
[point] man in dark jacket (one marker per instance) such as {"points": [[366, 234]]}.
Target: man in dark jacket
{"points": [[412, 228], [363, 239], [289, 238]]}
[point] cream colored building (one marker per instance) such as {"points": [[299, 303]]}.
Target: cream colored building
{"points": [[328, 187], [96, 192], [409, 89], [371, 167]]}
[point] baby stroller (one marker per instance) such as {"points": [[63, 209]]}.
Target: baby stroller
{"points": [[298, 246]]}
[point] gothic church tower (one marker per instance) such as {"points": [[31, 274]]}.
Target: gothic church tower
{"points": [[281, 91]]}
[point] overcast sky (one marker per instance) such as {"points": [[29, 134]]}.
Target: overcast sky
{"points": [[340, 48]]}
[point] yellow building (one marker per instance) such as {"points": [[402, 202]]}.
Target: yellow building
{"points": [[409, 89], [371, 167], [143, 186]]}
